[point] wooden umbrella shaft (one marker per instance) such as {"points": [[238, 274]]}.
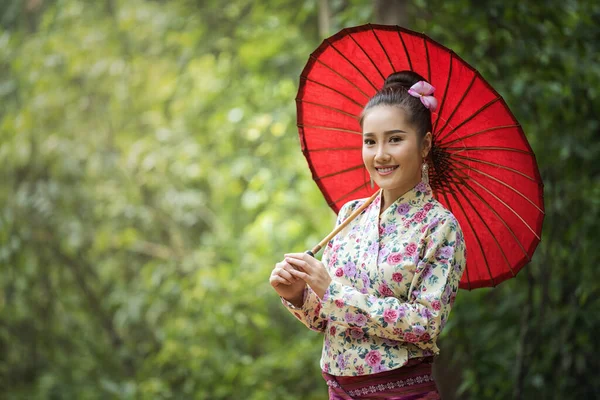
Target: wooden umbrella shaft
{"points": [[352, 216]]}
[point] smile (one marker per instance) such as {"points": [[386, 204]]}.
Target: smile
{"points": [[386, 170]]}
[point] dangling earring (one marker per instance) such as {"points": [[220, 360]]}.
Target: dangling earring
{"points": [[425, 172]]}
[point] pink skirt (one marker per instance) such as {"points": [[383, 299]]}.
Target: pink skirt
{"points": [[411, 382]]}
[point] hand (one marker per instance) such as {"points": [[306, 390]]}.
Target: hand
{"points": [[312, 271], [286, 285]]}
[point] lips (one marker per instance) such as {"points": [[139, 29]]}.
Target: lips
{"points": [[386, 170]]}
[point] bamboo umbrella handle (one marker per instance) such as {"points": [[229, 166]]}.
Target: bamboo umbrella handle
{"points": [[356, 212]]}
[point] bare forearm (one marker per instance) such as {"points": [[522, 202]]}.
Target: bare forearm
{"points": [[297, 301]]}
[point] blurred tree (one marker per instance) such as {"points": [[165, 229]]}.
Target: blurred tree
{"points": [[392, 12]]}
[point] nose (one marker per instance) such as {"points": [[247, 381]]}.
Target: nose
{"points": [[380, 153]]}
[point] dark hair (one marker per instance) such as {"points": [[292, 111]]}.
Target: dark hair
{"points": [[395, 93]]}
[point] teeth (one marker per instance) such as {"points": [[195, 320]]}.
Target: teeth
{"points": [[384, 170]]}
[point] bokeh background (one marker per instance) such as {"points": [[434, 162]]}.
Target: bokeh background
{"points": [[151, 176]]}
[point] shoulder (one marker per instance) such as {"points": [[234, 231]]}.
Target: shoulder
{"points": [[442, 219], [349, 207]]}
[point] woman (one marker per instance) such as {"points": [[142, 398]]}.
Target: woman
{"points": [[387, 281]]}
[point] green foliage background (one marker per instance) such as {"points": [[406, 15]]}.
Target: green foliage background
{"points": [[151, 177]]}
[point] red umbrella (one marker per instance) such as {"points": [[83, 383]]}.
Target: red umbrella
{"points": [[484, 170]]}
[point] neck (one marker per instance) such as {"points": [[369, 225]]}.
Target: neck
{"points": [[389, 196]]}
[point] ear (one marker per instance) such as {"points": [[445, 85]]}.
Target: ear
{"points": [[426, 144]]}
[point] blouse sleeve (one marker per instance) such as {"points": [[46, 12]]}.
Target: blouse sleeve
{"points": [[310, 313], [431, 295]]}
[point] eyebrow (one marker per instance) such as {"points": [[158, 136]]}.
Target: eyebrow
{"points": [[385, 132]]}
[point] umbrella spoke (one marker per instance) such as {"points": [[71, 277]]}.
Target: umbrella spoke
{"points": [[486, 148], [472, 229], [480, 245], [364, 185], [502, 252], [351, 63], [340, 75], [405, 51], [354, 168], [456, 106], [365, 53], [440, 137], [500, 182], [439, 113], [329, 108], [333, 149], [489, 206], [329, 128], [333, 90], [383, 49], [495, 128], [427, 58], [493, 164], [505, 205]]}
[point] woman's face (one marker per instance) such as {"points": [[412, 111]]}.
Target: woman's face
{"points": [[391, 150]]}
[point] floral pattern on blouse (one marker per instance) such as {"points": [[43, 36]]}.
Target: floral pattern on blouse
{"points": [[394, 279]]}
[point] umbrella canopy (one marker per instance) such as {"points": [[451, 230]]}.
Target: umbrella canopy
{"points": [[482, 167]]}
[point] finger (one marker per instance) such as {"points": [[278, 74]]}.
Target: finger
{"points": [[288, 267], [286, 275], [302, 275], [280, 264], [277, 280], [311, 261], [299, 256], [277, 272], [303, 265]]}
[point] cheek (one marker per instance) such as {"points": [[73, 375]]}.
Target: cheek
{"points": [[366, 157], [409, 159]]}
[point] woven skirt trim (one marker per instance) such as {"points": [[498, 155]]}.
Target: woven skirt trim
{"points": [[410, 382]]}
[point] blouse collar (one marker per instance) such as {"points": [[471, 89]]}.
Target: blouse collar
{"points": [[414, 198]]}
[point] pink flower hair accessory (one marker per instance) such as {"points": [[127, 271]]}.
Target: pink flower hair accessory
{"points": [[424, 91]]}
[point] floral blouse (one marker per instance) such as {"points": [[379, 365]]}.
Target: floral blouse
{"points": [[394, 280]]}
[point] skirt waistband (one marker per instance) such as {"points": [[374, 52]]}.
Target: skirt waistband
{"points": [[412, 378]]}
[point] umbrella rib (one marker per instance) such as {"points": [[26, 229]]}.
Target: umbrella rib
{"points": [[348, 194], [457, 105], [427, 58], [365, 53], [405, 50], [333, 149], [382, 49], [480, 132], [333, 90], [464, 182], [454, 155], [500, 182], [490, 232], [318, 178], [487, 148], [445, 93], [329, 128], [340, 75], [351, 63], [507, 206], [476, 113], [329, 108], [485, 260], [462, 209]]}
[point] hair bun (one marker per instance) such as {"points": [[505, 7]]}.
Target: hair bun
{"points": [[403, 79]]}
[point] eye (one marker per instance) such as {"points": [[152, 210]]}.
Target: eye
{"points": [[368, 142], [395, 139]]}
